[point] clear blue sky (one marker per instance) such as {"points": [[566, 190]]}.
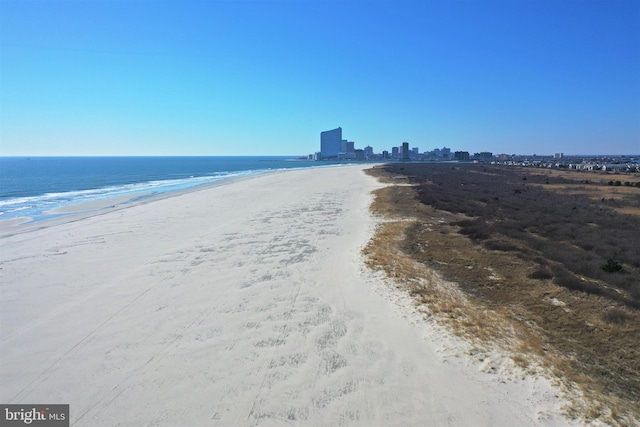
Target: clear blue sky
{"points": [[145, 77]]}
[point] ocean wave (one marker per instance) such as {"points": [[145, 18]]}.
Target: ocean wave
{"points": [[37, 206]]}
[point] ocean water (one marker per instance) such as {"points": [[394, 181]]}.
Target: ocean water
{"points": [[30, 187]]}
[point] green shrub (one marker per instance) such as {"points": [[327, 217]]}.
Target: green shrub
{"points": [[612, 266]]}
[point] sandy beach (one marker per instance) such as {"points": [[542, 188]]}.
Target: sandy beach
{"points": [[242, 304]]}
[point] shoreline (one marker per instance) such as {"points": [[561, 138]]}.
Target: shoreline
{"points": [[82, 210], [76, 201], [237, 304]]}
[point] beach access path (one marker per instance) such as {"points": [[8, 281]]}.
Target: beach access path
{"points": [[241, 304]]}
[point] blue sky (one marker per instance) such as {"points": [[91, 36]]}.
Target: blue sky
{"points": [[145, 77]]}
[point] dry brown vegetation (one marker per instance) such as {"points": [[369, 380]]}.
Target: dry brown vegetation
{"points": [[543, 264]]}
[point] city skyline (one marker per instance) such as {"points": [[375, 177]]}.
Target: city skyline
{"points": [[334, 147], [262, 78]]}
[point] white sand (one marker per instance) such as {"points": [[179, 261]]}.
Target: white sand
{"points": [[238, 305]]}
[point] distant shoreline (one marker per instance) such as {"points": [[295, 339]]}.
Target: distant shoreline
{"points": [[81, 210], [52, 185]]}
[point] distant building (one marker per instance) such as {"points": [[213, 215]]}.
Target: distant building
{"points": [[558, 155], [485, 155], [405, 151], [331, 143], [462, 156], [395, 152], [350, 146], [385, 154], [368, 152]]}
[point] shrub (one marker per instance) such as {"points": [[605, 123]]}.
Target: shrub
{"points": [[587, 246], [499, 245], [616, 316], [570, 281], [540, 273], [540, 260], [612, 266], [476, 230]]}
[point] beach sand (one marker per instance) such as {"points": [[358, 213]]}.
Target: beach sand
{"points": [[237, 305]]}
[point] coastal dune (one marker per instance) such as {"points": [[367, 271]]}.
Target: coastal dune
{"points": [[242, 304]]}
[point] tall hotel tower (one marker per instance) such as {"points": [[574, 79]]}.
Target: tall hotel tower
{"points": [[330, 143]]}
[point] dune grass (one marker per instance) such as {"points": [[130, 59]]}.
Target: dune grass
{"points": [[514, 262]]}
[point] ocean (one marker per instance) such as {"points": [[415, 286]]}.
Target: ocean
{"points": [[32, 186]]}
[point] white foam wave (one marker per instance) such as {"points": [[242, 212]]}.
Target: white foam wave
{"points": [[37, 205]]}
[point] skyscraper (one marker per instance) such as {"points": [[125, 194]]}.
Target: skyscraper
{"points": [[368, 152], [330, 143], [405, 151], [350, 146]]}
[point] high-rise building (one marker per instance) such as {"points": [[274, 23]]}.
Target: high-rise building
{"points": [[350, 146], [484, 155], [462, 156], [405, 151], [331, 143], [368, 152]]}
